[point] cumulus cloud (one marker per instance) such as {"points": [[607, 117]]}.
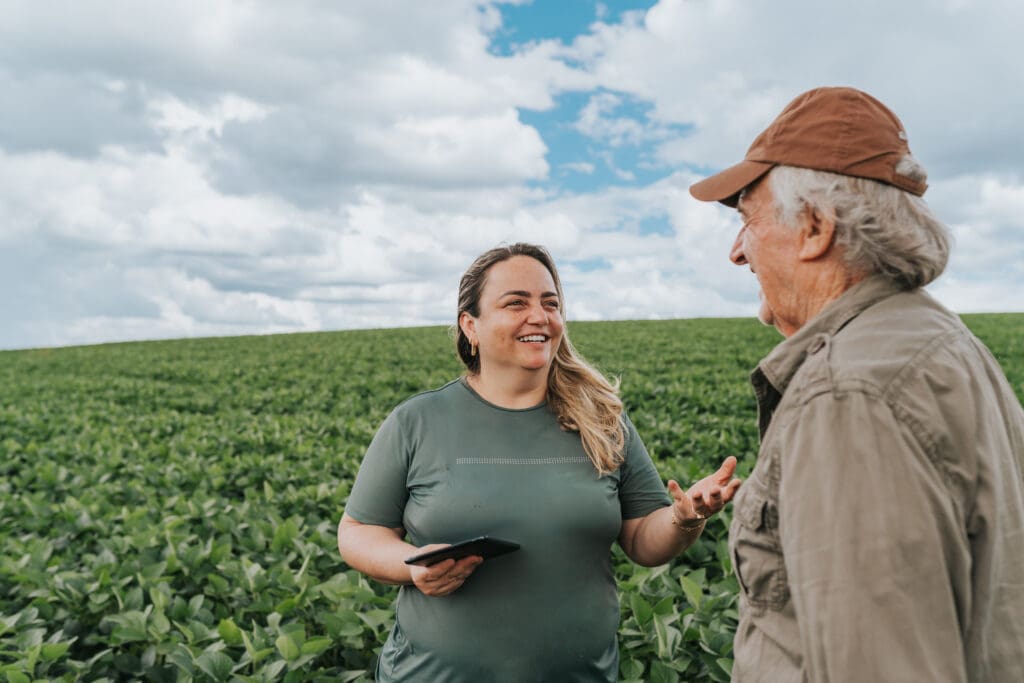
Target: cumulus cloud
{"points": [[185, 169], [728, 67]]}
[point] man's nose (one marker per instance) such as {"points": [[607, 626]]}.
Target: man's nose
{"points": [[736, 254]]}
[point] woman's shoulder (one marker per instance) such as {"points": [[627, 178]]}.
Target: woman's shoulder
{"points": [[429, 399]]}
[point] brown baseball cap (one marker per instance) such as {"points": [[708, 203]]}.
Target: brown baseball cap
{"points": [[842, 130]]}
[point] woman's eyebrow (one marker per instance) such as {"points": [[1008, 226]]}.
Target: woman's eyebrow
{"points": [[523, 292]]}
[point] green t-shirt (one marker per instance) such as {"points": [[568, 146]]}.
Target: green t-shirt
{"points": [[447, 466]]}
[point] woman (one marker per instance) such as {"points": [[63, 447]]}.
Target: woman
{"points": [[531, 445]]}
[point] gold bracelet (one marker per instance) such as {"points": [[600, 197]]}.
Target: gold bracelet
{"points": [[690, 525]]}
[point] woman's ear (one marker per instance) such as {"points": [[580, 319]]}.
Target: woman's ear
{"points": [[817, 230], [467, 324]]}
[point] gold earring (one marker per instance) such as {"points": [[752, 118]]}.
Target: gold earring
{"points": [[472, 348]]}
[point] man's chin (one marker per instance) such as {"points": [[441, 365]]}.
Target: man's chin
{"points": [[765, 313], [767, 317]]}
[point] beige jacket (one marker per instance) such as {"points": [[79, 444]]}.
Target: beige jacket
{"points": [[880, 536]]}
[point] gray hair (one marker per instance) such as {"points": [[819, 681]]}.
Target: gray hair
{"points": [[879, 228]]}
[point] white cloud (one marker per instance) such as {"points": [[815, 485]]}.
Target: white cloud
{"points": [[727, 68], [176, 117], [455, 150], [181, 169], [137, 202], [595, 121], [579, 167]]}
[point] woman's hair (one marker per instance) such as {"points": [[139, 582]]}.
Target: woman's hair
{"points": [[581, 398], [880, 228]]}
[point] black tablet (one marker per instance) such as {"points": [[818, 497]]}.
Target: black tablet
{"points": [[484, 546]]}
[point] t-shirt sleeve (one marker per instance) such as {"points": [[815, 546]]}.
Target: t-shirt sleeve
{"points": [[641, 490], [380, 491]]}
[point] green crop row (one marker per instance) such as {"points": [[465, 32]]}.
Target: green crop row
{"points": [[168, 509]]}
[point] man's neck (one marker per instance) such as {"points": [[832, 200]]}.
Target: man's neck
{"points": [[816, 290]]}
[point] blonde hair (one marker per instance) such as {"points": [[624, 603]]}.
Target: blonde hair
{"points": [[581, 398]]}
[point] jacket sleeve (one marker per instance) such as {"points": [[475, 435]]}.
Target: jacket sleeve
{"points": [[872, 543]]}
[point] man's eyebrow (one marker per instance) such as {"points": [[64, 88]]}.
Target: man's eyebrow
{"points": [[739, 203]]}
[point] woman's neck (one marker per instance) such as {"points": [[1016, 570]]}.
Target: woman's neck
{"points": [[521, 389]]}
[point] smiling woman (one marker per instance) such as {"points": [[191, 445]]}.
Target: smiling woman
{"points": [[516, 289], [530, 446]]}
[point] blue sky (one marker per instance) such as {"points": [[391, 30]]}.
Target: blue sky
{"points": [[176, 169]]}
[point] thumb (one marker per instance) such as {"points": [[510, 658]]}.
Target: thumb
{"points": [[675, 489]]}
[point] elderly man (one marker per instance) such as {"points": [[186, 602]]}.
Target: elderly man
{"points": [[880, 536]]}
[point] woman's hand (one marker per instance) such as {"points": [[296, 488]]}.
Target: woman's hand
{"points": [[707, 496], [444, 577]]}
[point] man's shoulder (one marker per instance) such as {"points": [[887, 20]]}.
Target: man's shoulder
{"points": [[887, 340]]}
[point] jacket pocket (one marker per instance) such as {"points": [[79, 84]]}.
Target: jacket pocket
{"points": [[756, 552]]}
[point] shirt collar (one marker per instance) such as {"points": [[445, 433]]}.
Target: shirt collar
{"points": [[779, 366]]}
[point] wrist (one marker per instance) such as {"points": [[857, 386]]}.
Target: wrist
{"points": [[692, 524]]}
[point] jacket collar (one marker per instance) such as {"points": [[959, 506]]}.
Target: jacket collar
{"points": [[779, 366]]}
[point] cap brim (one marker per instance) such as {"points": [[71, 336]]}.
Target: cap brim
{"points": [[726, 186]]}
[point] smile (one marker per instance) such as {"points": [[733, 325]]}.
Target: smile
{"points": [[532, 338]]}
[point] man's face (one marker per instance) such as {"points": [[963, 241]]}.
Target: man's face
{"points": [[770, 249]]}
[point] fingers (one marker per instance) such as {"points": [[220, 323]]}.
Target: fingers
{"points": [[731, 489], [710, 499], [725, 472], [709, 495], [444, 577]]}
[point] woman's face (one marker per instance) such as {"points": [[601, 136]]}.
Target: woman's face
{"points": [[519, 325]]}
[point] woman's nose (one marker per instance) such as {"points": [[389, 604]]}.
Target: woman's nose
{"points": [[538, 315]]}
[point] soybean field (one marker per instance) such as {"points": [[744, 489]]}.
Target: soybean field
{"points": [[168, 510]]}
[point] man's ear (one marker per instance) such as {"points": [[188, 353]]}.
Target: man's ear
{"points": [[817, 231]]}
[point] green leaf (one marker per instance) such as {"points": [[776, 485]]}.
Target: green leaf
{"points": [[273, 670], [182, 659], [662, 674], [196, 604], [641, 608], [630, 669], [726, 665], [284, 535], [315, 646], [52, 651], [288, 648], [128, 627], [30, 638], [668, 638], [229, 632], [216, 665], [256, 656], [692, 590]]}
